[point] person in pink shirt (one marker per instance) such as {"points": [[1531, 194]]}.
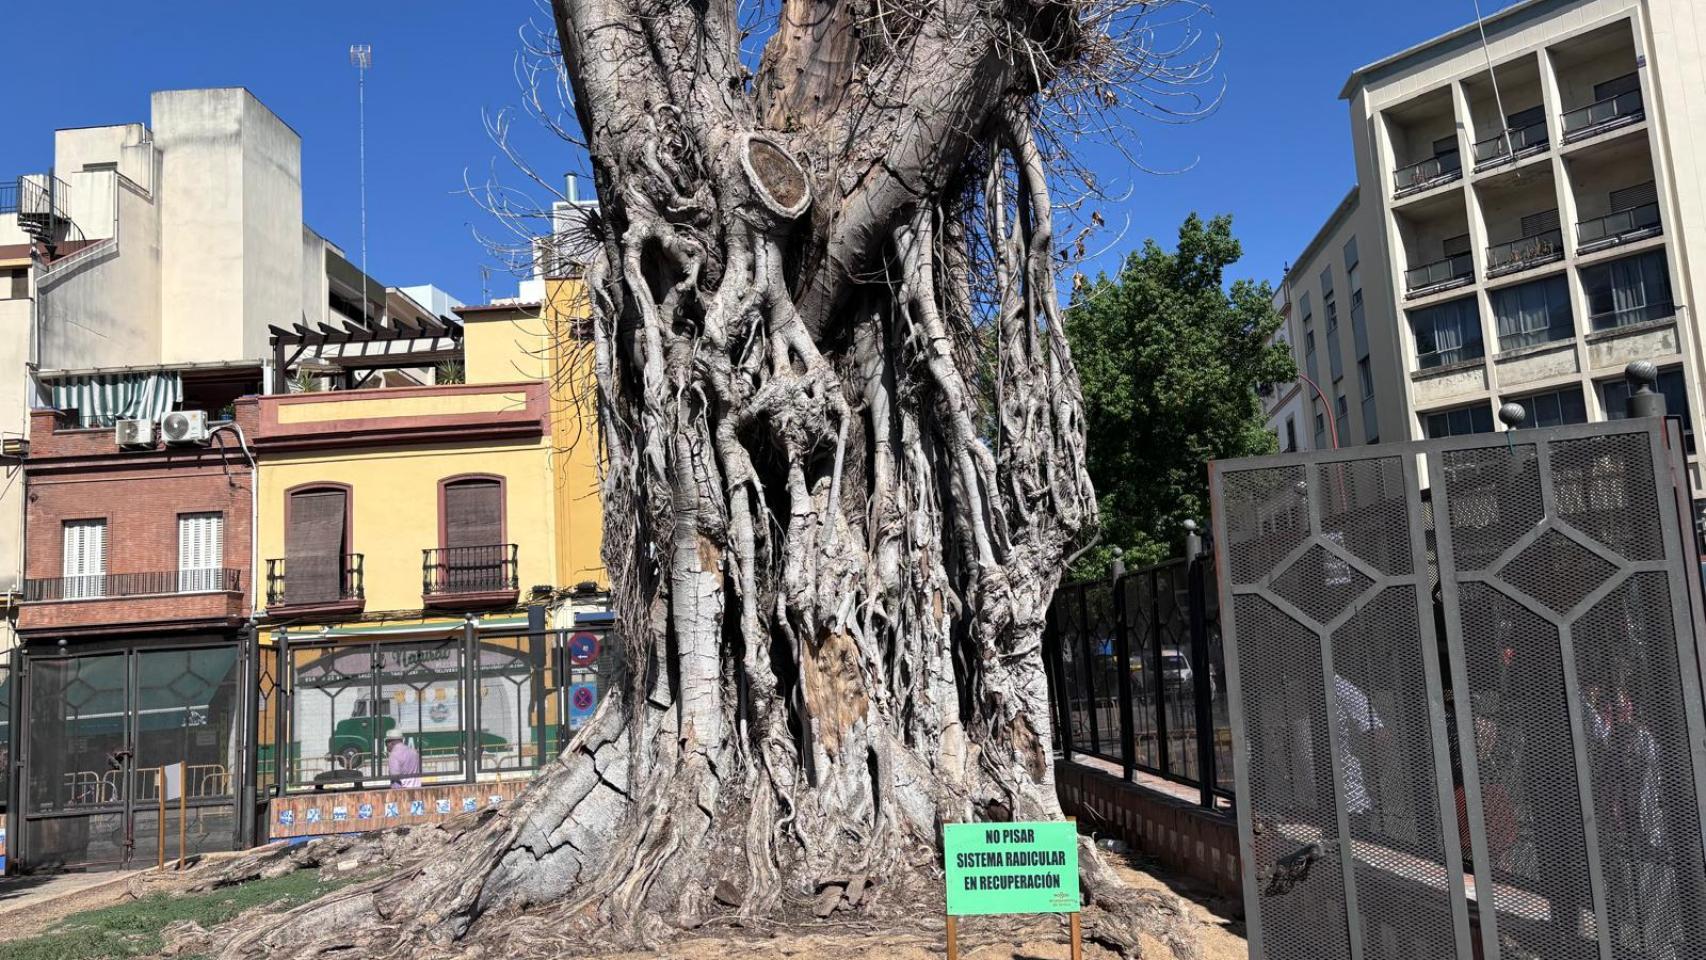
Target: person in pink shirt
{"points": [[402, 761]]}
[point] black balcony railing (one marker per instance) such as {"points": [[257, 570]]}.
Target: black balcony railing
{"points": [[1603, 115], [1435, 170], [1439, 275], [151, 583], [1525, 252], [315, 580], [447, 571], [1522, 141], [1621, 227]]}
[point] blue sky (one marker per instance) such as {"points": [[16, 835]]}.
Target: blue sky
{"points": [[1276, 155]]}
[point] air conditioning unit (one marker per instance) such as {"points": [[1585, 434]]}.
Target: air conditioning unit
{"points": [[184, 426], [134, 433]]}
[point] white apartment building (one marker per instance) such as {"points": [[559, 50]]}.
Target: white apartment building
{"points": [[158, 256], [1529, 216]]}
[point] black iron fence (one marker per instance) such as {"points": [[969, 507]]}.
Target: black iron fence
{"points": [[1137, 675], [315, 579], [150, 583], [482, 569]]}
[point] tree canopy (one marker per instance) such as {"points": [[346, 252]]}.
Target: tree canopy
{"points": [[1170, 357]]}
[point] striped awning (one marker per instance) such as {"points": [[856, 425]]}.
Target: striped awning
{"points": [[101, 400]]}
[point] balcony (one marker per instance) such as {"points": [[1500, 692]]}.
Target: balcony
{"points": [[1603, 115], [104, 603], [1424, 175], [1525, 253], [1454, 271], [1623, 226], [313, 586], [1522, 142], [469, 576]]}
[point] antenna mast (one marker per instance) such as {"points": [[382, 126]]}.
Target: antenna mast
{"points": [[361, 57]]}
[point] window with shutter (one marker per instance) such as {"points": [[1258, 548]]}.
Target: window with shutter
{"points": [[315, 545], [201, 551], [473, 534], [85, 559], [1638, 195], [1536, 224]]}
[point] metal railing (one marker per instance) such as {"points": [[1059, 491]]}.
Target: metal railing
{"points": [[1439, 275], [326, 579], [1525, 252], [1523, 141], [1435, 170], [452, 570], [1619, 227], [1602, 115], [151, 583], [9, 197], [1137, 676]]}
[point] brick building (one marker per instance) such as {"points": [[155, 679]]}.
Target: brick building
{"points": [[134, 639]]}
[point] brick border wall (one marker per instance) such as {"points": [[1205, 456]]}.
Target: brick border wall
{"points": [[1186, 838]]}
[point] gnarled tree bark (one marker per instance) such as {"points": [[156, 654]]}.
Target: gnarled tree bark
{"points": [[845, 463]]}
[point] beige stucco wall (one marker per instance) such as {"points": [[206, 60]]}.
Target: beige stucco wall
{"points": [[231, 223]]}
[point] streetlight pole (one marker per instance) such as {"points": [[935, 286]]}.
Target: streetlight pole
{"points": [[1332, 421]]}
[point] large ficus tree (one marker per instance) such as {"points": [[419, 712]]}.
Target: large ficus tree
{"points": [[846, 456]]}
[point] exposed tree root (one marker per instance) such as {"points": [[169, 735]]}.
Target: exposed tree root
{"points": [[844, 460]]}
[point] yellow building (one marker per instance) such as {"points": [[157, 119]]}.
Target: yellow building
{"points": [[428, 565]]}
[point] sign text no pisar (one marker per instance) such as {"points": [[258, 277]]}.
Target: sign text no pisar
{"points": [[1011, 868]]}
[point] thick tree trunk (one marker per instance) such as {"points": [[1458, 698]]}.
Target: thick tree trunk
{"points": [[845, 464]]}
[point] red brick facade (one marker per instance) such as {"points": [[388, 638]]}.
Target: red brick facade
{"points": [[81, 474]]}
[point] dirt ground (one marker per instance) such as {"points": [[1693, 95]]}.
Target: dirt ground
{"points": [[981, 938]]}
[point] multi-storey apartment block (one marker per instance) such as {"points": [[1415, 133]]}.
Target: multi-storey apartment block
{"points": [[1529, 217]]}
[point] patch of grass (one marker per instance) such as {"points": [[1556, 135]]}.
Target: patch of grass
{"points": [[133, 929]]}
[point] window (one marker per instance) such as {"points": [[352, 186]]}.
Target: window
{"points": [[1320, 427], [1639, 195], [14, 284], [1342, 408], [1632, 290], [1309, 344], [85, 563], [1553, 408], [1455, 246], [1531, 313], [1365, 378], [315, 542], [1447, 333], [1475, 418], [1326, 283], [1615, 395], [201, 551], [471, 533], [1617, 87], [1351, 259], [1290, 434]]}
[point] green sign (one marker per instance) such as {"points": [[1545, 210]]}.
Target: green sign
{"points": [[1011, 868]]}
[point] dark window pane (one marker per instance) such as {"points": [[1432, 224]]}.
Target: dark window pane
{"points": [[1614, 394], [187, 710], [1531, 313], [1461, 421], [1632, 290], [1447, 333]]}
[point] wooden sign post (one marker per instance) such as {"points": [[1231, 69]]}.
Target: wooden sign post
{"points": [[171, 782], [160, 824], [996, 868]]}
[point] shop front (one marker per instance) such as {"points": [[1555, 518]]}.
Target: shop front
{"points": [[476, 701], [99, 721]]}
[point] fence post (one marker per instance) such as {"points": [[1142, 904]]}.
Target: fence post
{"points": [[1055, 665], [1157, 664], [1122, 658], [1200, 665], [1087, 663]]}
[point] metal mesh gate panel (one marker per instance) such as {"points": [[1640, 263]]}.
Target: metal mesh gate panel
{"points": [[1471, 714]]}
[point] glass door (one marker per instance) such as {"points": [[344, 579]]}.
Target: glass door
{"points": [[77, 762], [98, 729]]}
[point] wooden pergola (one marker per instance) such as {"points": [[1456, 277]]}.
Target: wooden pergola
{"points": [[397, 341]]}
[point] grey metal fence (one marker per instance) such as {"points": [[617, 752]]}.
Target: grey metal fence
{"points": [[1137, 674], [1468, 719]]}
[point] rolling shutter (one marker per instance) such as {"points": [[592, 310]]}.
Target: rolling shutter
{"points": [[314, 546], [473, 513]]}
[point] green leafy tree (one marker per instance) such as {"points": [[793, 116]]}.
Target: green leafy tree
{"points": [[1170, 357]]}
